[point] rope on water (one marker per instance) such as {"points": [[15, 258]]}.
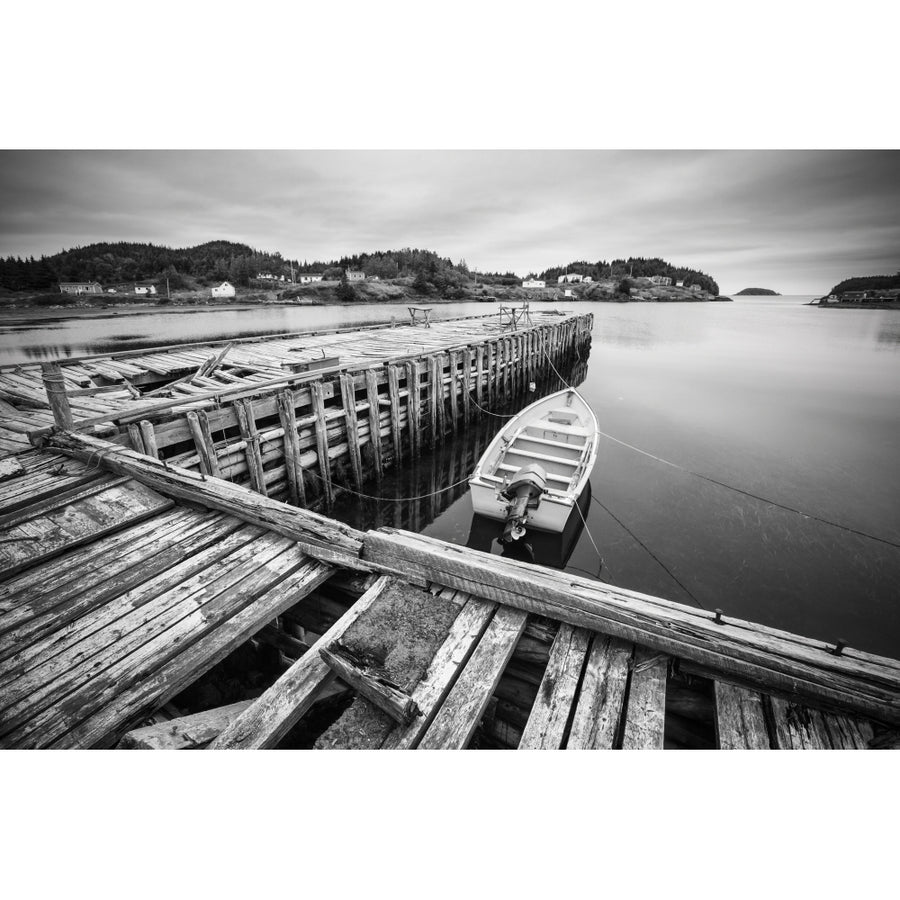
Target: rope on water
{"points": [[404, 499], [661, 563], [498, 415]]}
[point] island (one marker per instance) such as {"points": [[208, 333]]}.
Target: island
{"points": [[757, 292], [864, 292]]}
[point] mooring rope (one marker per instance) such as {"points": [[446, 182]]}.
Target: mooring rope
{"points": [[806, 515], [341, 487]]}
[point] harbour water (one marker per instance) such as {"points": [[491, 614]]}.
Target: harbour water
{"points": [[785, 401]]}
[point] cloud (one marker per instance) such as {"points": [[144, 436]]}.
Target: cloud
{"points": [[798, 219]]}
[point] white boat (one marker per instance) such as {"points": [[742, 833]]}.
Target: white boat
{"points": [[536, 468]]}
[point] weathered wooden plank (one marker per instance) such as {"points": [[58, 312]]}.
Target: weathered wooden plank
{"points": [[273, 714], [448, 662], [149, 436], [732, 649], [209, 465], [460, 713], [740, 720], [646, 711], [602, 696], [325, 538], [186, 733], [797, 727], [348, 395], [546, 726], [847, 732], [138, 698], [370, 682], [413, 398], [454, 390], [55, 385], [466, 383]]}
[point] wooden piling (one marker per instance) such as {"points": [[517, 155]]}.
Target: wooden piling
{"points": [[55, 386], [209, 465], [467, 385], [394, 395], [433, 379], [479, 375], [247, 424], [374, 421], [348, 397], [439, 395], [321, 428], [293, 466], [412, 405], [454, 390], [149, 435]]}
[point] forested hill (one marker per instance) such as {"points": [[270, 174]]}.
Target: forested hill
{"points": [[114, 263], [867, 283], [636, 267]]}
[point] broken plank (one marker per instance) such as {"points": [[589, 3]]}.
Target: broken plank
{"points": [[461, 712], [273, 714]]}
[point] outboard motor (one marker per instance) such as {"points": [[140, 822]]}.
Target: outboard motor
{"points": [[523, 492]]}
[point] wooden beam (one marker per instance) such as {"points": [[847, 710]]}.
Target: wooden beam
{"points": [[374, 421], [186, 733], [273, 714], [247, 423], [394, 395], [767, 658], [318, 535], [55, 386], [348, 398], [602, 697], [321, 427]]}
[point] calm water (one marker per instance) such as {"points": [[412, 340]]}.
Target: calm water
{"points": [[790, 402]]}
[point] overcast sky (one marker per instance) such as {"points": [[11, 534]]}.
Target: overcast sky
{"points": [[793, 221]]}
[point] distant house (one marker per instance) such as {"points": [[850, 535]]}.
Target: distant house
{"points": [[534, 283], [354, 275], [587, 279], [310, 279], [80, 287], [568, 292], [679, 283], [145, 288], [695, 288], [225, 289], [265, 276], [661, 280], [570, 278]]}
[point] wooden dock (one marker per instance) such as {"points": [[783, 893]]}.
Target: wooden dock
{"points": [[168, 583]]}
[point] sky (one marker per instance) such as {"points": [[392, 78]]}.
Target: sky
{"points": [[793, 221]]}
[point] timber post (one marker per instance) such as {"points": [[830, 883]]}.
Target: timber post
{"points": [[55, 386]]}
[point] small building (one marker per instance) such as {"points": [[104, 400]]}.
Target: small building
{"points": [[225, 289], [309, 279], [695, 288], [534, 283], [568, 292], [587, 279], [354, 275], [570, 278], [660, 280], [679, 283], [80, 287], [145, 288]]}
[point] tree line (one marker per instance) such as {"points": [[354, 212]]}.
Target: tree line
{"points": [[633, 267], [867, 283]]}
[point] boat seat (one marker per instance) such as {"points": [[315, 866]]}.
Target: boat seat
{"points": [[545, 425], [562, 417], [539, 440], [542, 457], [508, 468]]}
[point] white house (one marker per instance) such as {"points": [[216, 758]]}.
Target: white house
{"points": [[80, 287], [587, 279], [696, 287], [662, 280], [310, 279], [225, 289], [568, 292], [570, 278], [145, 288], [353, 275], [534, 283]]}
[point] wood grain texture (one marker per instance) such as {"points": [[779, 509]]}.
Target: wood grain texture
{"points": [[740, 719], [546, 726], [273, 714], [646, 711], [602, 696], [461, 712]]}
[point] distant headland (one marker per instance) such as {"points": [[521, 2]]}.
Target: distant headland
{"points": [[757, 292], [865, 292], [223, 272]]}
